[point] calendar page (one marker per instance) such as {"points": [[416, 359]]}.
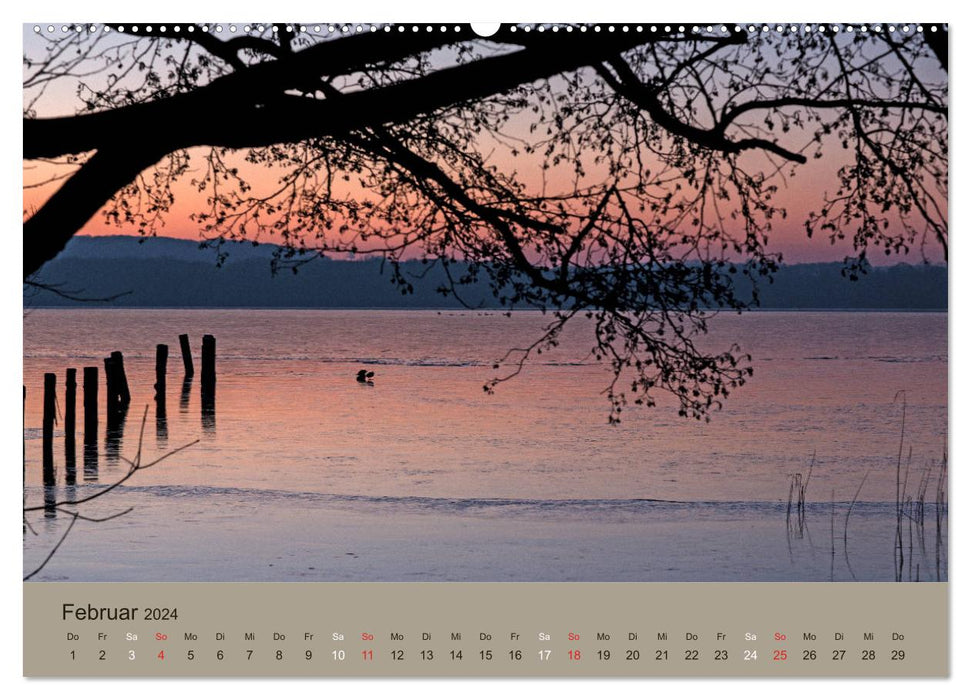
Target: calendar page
{"points": [[510, 350]]}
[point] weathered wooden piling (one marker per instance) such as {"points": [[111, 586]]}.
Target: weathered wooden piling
{"points": [[90, 405], [70, 403], [208, 388], [208, 364], [70, 419], [50, 402], [161, 360], [112, 407], [118, 396], [186, 355], [124, 395]]}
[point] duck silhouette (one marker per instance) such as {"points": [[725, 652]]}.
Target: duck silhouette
{"points": [[365, 377]]}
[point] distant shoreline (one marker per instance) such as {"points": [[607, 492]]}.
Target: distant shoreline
{"points": [[169, 274]]}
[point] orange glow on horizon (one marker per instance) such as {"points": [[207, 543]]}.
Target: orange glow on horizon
{"points": [[788, 236]]}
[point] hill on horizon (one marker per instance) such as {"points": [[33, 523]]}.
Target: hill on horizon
{"points": [[169, 272]]}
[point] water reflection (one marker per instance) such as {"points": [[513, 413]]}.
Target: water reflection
{"points": [[115, 433], [90, 449], [70, 493], [185, 395], [70, 461], [209, 413], [91, 461], [161, 422], [50, 498]]}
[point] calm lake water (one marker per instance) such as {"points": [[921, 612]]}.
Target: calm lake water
{"points": [[424, 454]]}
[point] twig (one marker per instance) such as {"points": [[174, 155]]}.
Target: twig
{"points": [[846, 524], [89, 519], [898, 546], [71, 295], [57, 546], [126, 477]]}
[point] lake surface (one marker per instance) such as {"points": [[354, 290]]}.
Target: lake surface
{"points": [[302, 472]]}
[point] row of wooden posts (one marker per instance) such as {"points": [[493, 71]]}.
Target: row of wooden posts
{"points": [[118, 396]]}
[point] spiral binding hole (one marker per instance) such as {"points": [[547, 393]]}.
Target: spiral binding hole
{"points": [[780, 29]]}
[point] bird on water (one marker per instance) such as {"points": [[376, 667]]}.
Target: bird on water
{"points": [[365, 377]]}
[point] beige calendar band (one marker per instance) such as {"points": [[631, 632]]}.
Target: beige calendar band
{"points": [[485, 629]]}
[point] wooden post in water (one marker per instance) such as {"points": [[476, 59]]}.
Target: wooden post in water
{"points": [[124, 395], [90, 405], [70, 420], [50, 399], [70, 401], [161, 425], [208, 394], [186, 355], [208, 364], [161, 360], [111, 391], [24, 426]]}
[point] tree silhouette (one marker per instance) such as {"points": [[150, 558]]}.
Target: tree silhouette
{"points": [[623, 173]]}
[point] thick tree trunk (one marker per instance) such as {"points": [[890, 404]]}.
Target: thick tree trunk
{"points": [[251, 109], [107, 171]]}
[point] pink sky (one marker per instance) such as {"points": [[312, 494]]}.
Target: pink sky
{"points": [[798, 195]]}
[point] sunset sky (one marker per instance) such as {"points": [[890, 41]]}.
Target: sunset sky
{"points": [[799, 194]]}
